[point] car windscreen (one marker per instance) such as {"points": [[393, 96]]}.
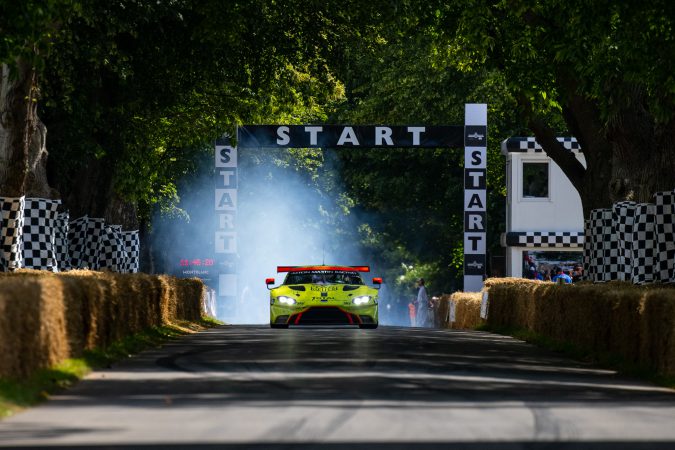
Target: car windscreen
{"points": [[323, 277]]}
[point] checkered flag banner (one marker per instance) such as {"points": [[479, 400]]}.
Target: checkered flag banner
{"points": [[61, 241], [77, 242], [665, 235], [132, 246], [38, 242], [12, 231], [112, 252], [644, 246], [604, 246], [530, 145], [545, 239], [624, 220], [95, 228]]}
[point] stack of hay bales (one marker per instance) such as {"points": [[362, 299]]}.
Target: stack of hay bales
{"points": [[635, 323], [47, 317], [619, 319], [467, 310]]}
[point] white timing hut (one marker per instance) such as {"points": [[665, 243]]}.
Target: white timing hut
{"points": [[543, 210]]}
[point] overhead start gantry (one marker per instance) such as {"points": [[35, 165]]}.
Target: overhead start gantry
{"points": [[472, 136]]}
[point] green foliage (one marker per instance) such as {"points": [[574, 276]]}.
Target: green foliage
{"points": [[27, 28], [412, 199], [550, 50], [144, 86]]}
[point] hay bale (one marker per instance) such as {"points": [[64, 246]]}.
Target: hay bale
{"points": [[467, 310], [636, 323], [47, 317]]}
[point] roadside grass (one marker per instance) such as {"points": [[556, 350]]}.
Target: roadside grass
{"points": [[603, 360], [16, 395]]}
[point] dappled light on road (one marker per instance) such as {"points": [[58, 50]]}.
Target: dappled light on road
{"points": [[391, 388]]}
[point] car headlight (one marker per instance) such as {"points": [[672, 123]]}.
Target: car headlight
{"points": [[286, 300], [361, 300]]}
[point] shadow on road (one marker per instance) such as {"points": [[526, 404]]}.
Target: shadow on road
{"points": [[348, 372], [571, 445], [273, 367]]}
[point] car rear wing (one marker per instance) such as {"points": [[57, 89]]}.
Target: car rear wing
{"points": [[281, 269]]}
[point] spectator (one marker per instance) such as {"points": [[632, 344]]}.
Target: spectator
{"points": [[422, 306], [547, 275], [578, 274], [561, 276], [411, 312]]}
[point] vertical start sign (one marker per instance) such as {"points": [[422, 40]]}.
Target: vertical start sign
{"points": [[225, 238], [475, 195]]}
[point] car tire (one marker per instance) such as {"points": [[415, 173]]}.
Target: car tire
{"points": [[368, 326], [278, 325]]}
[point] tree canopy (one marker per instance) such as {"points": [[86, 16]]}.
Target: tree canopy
{"points": [[133, 92]]}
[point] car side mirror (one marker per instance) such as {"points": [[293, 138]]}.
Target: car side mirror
{"points": [[377, 282], [268, 282]]}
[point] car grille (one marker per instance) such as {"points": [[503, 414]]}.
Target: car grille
{"points": [[324, 316]]}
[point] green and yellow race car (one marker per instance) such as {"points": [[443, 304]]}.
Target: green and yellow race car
{"points": [[323, 295]]}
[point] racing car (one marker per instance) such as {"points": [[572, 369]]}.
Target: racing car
{"points": [[323, 295]]}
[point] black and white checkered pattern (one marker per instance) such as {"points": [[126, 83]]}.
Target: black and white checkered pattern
{"points": [[112, 252], [132, 246], [588, 268], [12, 231], [77, 242], [545, 239], [95, 227], [61, 241], [604, 246], [624, 219], [644, 246], [530, 145], [39, 226], [665, 235], [3, 264]]}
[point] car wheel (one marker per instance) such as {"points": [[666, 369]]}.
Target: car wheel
{"points": [[369, 326]]}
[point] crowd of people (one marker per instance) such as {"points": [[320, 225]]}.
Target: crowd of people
{"points": [[557, 274]]}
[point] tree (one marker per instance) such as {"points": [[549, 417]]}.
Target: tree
{"points": [[26, 31], [604, 66], [410, 201], [163, 80]]}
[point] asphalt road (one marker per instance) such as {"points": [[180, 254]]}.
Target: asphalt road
{"points": [[391, 388]]}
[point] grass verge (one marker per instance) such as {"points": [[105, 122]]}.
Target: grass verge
{"points": [[603, 360], [16, 395]]}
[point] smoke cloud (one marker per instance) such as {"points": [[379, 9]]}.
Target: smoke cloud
{"points": [[286, 215]]}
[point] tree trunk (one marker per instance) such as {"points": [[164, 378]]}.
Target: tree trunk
{"points": [[37, 184], [94, 195], [644, 153], [583, 119], [592, 182], [18, 119]]}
